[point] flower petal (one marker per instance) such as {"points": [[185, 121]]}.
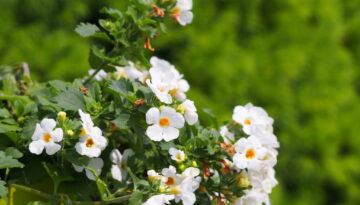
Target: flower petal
{"points": [[170, 133], [51, 148], [115, 156], [177, 120], [37, 147], [154, 132], [38, 133], [57, 135], [116, 172], [48, 124], [152, 116]]}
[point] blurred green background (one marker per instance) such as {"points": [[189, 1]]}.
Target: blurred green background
{"points": [[299, 59]]}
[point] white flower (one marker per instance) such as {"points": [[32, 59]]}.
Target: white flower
{"points": [[153, 175], [190, 112], [118, 169], [263, 180], [45, 136], [164, 124], [95, 163], [251, 118], [182, 12], [166, 82], [182, 186], [177, 155], [101, 75], [91, 141], [226, 134], [130, 72], [253, 197], [160, 199], [265, 136], [249, 153]]}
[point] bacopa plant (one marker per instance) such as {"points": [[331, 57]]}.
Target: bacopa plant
{"points": [[127, 133]]}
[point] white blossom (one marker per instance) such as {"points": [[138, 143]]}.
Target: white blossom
{"points": [[118, 169], [46, 136], [95, 163]]}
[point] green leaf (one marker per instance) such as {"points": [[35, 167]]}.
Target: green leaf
{"points": [[13, 152], [19, 107], [4, 128], [9, 162], [136, 198], [72, 99], [86, 29], [4, 113], [3, 190], [122, 120], [121, 86], [73, 157]]}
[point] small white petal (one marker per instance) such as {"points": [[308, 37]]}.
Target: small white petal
{"points": [[36, 147], [38, 133], [152, 116], [57, 135], [185, 17], [116, 172], [51, 148], [115, 156], [78, 168], [170, 133], [48, 124], [154, 132], [177, 120]]}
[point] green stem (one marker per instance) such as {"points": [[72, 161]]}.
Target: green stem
{"points": [[57, 199], [93, 75]]}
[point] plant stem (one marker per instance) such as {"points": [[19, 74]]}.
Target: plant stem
{"points": [[56, 199], [93, 75]]}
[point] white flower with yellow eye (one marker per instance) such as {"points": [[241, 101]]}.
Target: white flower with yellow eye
{"points": [[101, 75], [153, 175], [182, 12], [95, 163], [251, 118], [130, 72], [160, 199], [164, 124], [177, 155], [45, 136], [166, 82], [118, 169], [252, 197], [91, 141], [249, 153]]}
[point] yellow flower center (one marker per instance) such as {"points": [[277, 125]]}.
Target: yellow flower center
{"points": [[173, 92], [83, 132], [243, 181], [47, 137], [175, 191], [89, 142], [178, 157], [247, 122], [250, 153], [170, 181], [164, 122]]}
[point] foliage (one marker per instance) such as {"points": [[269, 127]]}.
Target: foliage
{"points": [[299, 59]]}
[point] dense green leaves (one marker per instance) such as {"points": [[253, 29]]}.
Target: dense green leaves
{"points": [[8, 158]]}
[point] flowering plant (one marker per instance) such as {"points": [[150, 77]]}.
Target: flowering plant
{"points": [[127, 134]]}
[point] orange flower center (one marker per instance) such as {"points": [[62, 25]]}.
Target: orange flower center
{"points": [[247, 122], [122, 166], [83, 132], [164, 122], [170, 181], [47, 137], [250, 153], [89, 142]]}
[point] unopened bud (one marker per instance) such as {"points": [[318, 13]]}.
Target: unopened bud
{"points": [[182, 166], [194, 164], [162, 189], [180, 109], [70, 132], [61, 116]]}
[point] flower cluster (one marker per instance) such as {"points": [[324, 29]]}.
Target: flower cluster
{"points": [[253, 157]]}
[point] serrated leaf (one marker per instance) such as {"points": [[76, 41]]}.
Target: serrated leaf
{"points": [[8, 162], [122, 120], [4, 128], [86, 29], [71, 99]]}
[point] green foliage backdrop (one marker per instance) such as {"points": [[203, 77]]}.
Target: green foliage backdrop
{"points": [[299, 59]]}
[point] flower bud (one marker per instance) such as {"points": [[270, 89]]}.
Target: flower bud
{"points": [[162, 189], [70, 132], [194, 164], [61, 116], [180, 109], [182, 166]]}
